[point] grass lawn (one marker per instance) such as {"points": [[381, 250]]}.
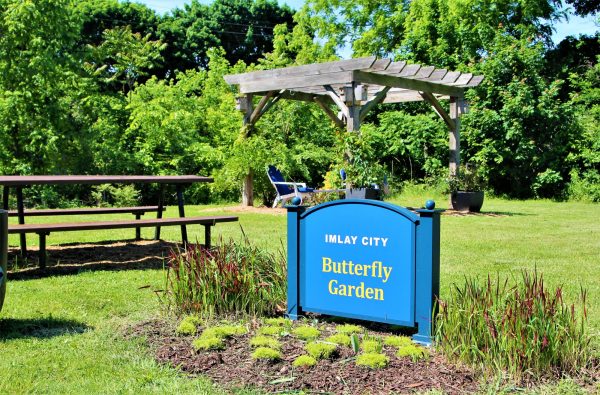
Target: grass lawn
{"points": [[65, 334]]}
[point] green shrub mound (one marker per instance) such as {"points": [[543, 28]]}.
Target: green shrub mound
{"points": [[339, 338], [265, 341], [397, 341], [371, 346], [306, 332], [319, 350], [348, 329], [525, 328], [372, 360], [266, 353], [208, 343], [413, 351], [304, 361], [188, 326], [224, 331], [269, 330]]}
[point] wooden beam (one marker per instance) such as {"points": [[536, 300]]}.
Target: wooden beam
{"points": [[405, 83], [378, 98], [393, 68], [437, 107], [297, 81], [457, 107], [259, 107], [337, 100], [304, 70], [338, 122]]}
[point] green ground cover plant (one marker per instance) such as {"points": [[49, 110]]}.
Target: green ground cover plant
{"points": [[319, 350], [188, 326], [208, 343], [518, 325], [413, 351], [266, 353], [77, 335], [349, 329], [397, 341], [270, 330], [371, 346], [339, 338], [306, 332], [265, 341], [372, 360], [304, 361]]}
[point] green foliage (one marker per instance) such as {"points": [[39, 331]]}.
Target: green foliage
{"points": [[319, 350], [413, 351], [224, 331], [467, 179], [269, 330], [525, 328], [306, 332], [397, 341], [279, 321], [208, 343], [339, 338], [348, 329], [371, 346], [188, 326], [266, 353], [372, 360], [304, 361], [586, 188], [232, 278], [265, 341]]}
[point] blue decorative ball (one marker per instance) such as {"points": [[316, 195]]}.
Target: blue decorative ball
{"points": [[296, 201], [430, 204]]}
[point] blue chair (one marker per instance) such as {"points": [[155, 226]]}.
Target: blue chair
{"points": [[287, 190]]}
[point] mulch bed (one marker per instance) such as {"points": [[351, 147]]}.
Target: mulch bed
{"points": [[233, 367]]}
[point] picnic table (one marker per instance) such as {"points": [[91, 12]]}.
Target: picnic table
{"points": [[180, 182]]}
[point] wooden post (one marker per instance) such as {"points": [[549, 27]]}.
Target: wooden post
{"points": [[245, 105], [354, 105], [457, 107]]}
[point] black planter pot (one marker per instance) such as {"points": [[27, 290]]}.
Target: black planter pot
{"points": [[363, 193], [466, 201]]}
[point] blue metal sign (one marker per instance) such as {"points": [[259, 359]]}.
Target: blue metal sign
{"points": [[364, 259]]}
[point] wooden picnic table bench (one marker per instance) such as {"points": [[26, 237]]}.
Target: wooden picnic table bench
{"points": [[20, 182], [44, 230]]}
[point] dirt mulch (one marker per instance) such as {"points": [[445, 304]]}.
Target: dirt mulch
{"points": [[233, 367]]}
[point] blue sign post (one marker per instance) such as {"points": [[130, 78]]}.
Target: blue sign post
{"points": [[365, 259]]}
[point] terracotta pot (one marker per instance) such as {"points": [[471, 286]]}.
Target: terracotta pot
{"points": [[466, 201]]}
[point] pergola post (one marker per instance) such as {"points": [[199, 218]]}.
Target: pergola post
{"points": [[457, 107], [246, 107]]}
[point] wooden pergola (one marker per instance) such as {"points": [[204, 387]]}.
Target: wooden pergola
{"points": [[355, 86]]}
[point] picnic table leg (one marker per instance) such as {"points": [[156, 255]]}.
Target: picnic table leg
{"points": [[207, 236], [21, 210], [138, 233], [159, 213], [5, 198], [42, 253], [184, 237]]}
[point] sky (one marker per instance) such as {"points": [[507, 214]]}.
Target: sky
{"points": [[573, 27]]}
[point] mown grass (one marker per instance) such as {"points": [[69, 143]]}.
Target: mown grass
{"points": [[66, 334]]}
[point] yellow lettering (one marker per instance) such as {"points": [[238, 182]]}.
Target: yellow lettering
{"points": [[332, 290], [326, 265], [378, 294], [369, 293], [360, 291]]}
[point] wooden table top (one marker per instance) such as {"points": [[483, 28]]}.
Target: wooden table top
{"points": [[85, 179]]}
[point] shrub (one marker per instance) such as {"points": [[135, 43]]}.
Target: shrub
{"points": [[371, 346], [339, 338], [208, 343], [319, 350], [348, 329], [397, 341], [188, 326], [265, 341], [269, 330], [413, 351], [304, 360], [524, 329], [372, 360], [231, 278], [266, 353]]}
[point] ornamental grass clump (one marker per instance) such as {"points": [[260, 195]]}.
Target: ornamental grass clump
{"points": [[372, 360], [525, 329], [306, 332], [232, 278]]}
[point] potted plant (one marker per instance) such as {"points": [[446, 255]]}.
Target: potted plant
{"points": [[466, 190], [363, 174]]}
